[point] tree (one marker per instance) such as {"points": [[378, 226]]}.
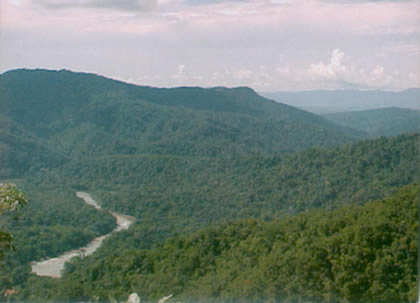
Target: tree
{"points": [[11, 199]]}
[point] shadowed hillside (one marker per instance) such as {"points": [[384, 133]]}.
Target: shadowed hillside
{"points": [[84, 114], [379, 122]]}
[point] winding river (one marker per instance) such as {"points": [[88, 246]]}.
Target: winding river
{"points": [[53, 267]]}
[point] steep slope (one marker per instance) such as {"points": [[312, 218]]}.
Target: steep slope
{"points": [[84, 114], [391, 121], [354, 254], [54, 221], [21, 151]]}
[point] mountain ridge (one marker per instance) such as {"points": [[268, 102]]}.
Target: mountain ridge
{"points": [[67, 108]]}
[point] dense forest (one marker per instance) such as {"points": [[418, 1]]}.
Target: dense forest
{"points": [[53, 222], [87, 115], [185, 192], [353, 254], [234, 194]]}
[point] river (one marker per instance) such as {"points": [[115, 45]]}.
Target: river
{"points": [[53, 267]]}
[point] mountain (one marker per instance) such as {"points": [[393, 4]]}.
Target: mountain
{"points": [[354, 254], [391, 121], [181, 160], [86, 115], [330, 101]]}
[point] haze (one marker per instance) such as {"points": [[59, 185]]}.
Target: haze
{"points": [[267, 45]]}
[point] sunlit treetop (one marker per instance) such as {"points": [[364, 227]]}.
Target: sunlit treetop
{"points": [[11, 198]]}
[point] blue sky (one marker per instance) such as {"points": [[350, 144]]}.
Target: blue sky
{"points": [[268, 45]]}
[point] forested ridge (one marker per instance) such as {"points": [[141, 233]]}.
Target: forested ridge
{"points": [[87, 115], [194, 165]]}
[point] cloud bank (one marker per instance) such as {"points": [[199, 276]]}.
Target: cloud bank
{"points": [[129, 5], [269, 45]]}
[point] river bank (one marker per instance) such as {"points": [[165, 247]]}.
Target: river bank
{"points": [[52, 267]]}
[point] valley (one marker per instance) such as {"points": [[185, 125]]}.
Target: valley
{"points": [[226, 195], [53, 267]]}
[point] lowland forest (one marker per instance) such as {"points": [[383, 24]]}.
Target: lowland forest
{"points": [[237, 198]]}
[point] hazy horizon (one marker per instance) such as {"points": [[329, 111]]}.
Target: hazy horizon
{"points": [[268, 45]]}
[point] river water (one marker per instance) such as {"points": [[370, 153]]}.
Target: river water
{"points": [[53, 267]]}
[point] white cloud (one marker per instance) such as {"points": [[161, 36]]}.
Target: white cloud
{"points": [[243, 74], [337, 73], [333, 70], [219, 42], [179, 75], [181, 68]]}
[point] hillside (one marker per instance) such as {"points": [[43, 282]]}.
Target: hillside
{"points": [[391, 121], [54, 221], [331, 101], [178, 160], [84, 114], [21, 151], [354, 254], [170, 194]]}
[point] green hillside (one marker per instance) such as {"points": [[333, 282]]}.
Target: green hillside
{"points": [[84, 114], [22, 151], [181, 160], [53, 222], [205, 189], [379, 122], [181, 194], [353, 254]]}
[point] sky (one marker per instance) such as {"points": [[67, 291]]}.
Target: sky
{"points": [[269, 45]]}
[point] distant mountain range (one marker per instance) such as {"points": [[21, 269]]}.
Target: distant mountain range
{"points": [[329, 101], [389, 121]]}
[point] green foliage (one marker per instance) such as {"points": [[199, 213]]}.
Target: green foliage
{"points": [[11, 199], [54, 222], [84, 115], [169, 193], [184, 158], [353, 254], [22, 152]]}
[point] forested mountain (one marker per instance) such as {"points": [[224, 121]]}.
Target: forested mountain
{"points": [[179, 160], [84, 114], [391, 121], [330, 101], [353, 254]]}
